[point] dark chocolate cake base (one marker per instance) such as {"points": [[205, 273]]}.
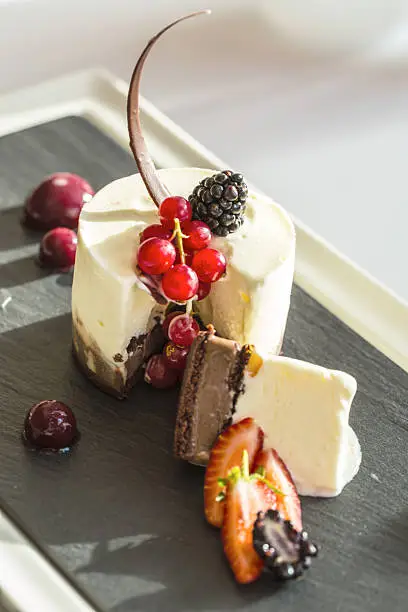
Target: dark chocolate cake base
{"points": [[117, 380]]}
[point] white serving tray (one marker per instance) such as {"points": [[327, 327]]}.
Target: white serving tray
{"points": [[360, 301]]}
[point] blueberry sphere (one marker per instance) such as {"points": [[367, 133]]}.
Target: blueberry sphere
{"points": [[50, 425], [58, 249], [57, 201]]}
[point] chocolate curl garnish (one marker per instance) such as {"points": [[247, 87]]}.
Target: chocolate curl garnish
{"points": [[157, 190]]}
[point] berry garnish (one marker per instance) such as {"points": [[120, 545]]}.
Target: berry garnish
{"points": [[209, 264], [57, 201], [188, 258], [58, 249], [174, 207], [219, 201], [226, 454], [199, 235], [168, 320], [155, 231], [286, 551], [180, 283], [159, 374], [183, 330], [203, 290], [246, 496], [175, 356], [50, 425], [269, 464], [156, 256]]}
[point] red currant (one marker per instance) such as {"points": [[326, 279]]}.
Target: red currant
{"points": [[203, 290], [168, 320], [175, 356], [183, 330], [155, 256], [159, 374], [209, 264], [155, 231], [173, 207], [180, 283], [188, 257], [199, 235]]}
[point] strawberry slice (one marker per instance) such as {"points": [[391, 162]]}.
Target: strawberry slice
{"points": [[226, 454], [246, 496], [270, 465]]}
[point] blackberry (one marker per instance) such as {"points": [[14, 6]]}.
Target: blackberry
{"points": [[219, 201], [286, 551]]}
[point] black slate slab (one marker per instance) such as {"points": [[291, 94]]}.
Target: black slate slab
{"points": [[119, 513]]}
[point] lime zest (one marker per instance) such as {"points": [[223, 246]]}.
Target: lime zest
{"points": [[237, 473], [222, 482], [267, 482]]}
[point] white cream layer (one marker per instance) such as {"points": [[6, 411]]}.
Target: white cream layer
{"points": [[249, 305], [304, 411]]}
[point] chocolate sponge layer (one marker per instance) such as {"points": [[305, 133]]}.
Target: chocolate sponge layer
{"points": [[212, 383]]}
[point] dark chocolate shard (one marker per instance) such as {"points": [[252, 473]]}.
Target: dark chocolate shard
{"points": [[212, 383], [157, 191]]}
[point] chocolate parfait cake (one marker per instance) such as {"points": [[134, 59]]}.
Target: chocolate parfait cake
{"points": [[117, 306], [161, 253], [186, 274]]}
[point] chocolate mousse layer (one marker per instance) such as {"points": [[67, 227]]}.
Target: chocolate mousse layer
{"points": [[120, 375], [212, 383]]}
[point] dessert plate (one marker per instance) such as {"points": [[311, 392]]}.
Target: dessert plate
{"points": [[119, 520]]}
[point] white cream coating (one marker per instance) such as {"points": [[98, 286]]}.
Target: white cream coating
{"points": [[304, 412], [250, 304]]}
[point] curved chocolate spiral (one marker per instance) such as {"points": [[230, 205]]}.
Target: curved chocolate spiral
{"points": [[144, 162]]}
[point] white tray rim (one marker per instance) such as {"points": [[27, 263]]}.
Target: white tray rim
{"points": [[355, 297]]}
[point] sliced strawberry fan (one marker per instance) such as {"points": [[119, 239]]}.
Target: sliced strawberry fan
{"points": [[249, 493]]}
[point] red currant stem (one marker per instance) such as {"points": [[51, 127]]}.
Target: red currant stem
{"points": [[178, 235], [189, 307], [157, 190]]}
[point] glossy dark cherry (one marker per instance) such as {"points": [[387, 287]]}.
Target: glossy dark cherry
{"points": [[57, 201], [50, 425], [58, 249]]}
